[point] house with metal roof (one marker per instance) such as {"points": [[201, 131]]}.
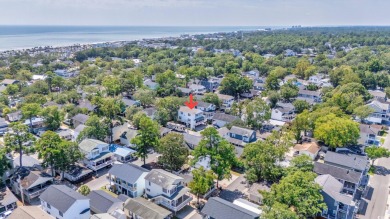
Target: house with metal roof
{"points": [[128, 179], [339, 204], [61, 201], [142, 208], [218, 208], [97, 154], [102, 202], [167, 189]]}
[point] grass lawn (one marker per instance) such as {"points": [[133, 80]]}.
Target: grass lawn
{"points": [[109, 192]]}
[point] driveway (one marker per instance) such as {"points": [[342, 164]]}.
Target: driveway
{"points": [[374, 204]]}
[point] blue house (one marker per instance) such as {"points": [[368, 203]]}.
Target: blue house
{"points": [[211, 84], [241, 136]]}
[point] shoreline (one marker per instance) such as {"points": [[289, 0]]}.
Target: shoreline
{"points": [[141, 38]]}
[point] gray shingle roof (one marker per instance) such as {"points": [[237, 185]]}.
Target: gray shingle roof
{"points": [[29, 212], [352, 161], [224, 117], [101, 201], [162, 178], [218, 208], [192, 139], [337, 172], [87, 145], [61, 197], [241, 131], [82, 118], [128, 172], [146, 209], [333, 188]]}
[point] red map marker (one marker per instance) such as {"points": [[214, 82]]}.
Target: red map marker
{"points": [[192, 103]]}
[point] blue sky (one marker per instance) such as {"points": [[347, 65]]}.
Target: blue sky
{"points": [[195, 12]]}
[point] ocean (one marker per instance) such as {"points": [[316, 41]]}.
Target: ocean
{"points": [[22, 37]]}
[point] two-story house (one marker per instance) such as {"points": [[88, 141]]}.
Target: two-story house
{"points": [[380, 112], [102, 202], [253, 74], [198, 89], [378, 95], [283, 112], [338, 204], [128, 179], [207, 108], [191, 117], [211, 84], [97, 154], [241, 136], [227, 100], [369, 134], [259, 83], [312, 96], [61, 201], [30, 182], [167, 189], [350, 179], [350, 161]]}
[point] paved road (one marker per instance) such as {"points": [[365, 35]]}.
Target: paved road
{"points": [[380, 183]]}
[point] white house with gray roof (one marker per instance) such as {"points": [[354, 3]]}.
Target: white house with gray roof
{"points": [[128, 179], [167, 189], [380, 112], [218, 208], [61, 201], [97, 154], [192, 118]]}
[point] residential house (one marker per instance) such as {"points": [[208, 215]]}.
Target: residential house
{"points": [[207, 108], [222, 119], [289, 53], [350, 179], [248, 205], [77, 131], [191, 140], [369, 134], [150, 84], [312, 96], [211, 84], [310, 149], [380, 114], [198, 89], [253, 193], [32, 183], [185, 91], [141, 208], [283, 112], [61, 201], [102, 202], [124, 154], [175, 126], [65, 134], [127, 179], [378, 95], [15, 116], [7, 82], [253, 74], [259, 83], [127, 136], [150, 112], [97, 154], [227, 100], [103, 216], [86, 104], [241, 136], [79, 119], [218, 208], [129, 102], [191, 117], [338, 204], [29, 161], [167, 189], [29, 212], [7, 201], [77, 173], [3, 126], [350, 161]]}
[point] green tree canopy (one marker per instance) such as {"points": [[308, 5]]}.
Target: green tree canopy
{"points": [[173, 151]]}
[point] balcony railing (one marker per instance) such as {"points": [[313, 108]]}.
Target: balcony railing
{"points": [[98, 167], [176, 207]]}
